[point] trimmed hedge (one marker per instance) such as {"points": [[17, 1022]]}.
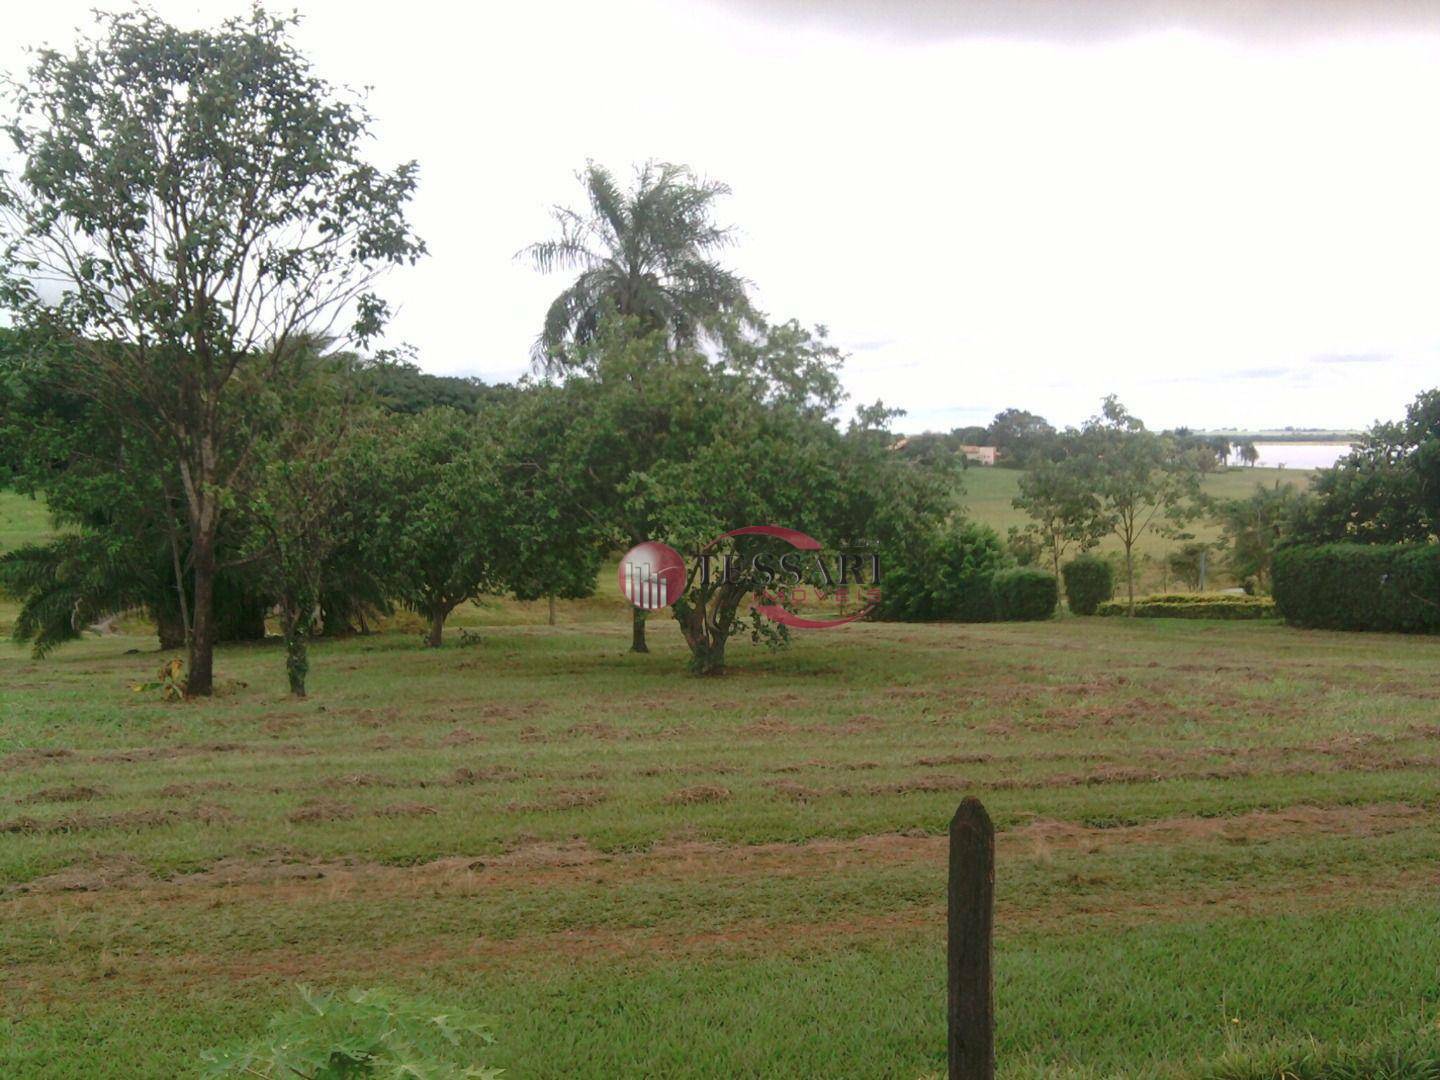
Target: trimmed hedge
{"points": [[1025, 594], [948, 578], [1393, 587], [1194, 606], [1089, 582]]}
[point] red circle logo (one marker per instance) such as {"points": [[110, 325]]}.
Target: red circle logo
{"points": [[652, 575]]}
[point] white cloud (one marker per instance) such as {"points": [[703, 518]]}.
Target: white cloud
{"points": [[987, 221]]}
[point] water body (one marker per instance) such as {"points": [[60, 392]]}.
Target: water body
{"points": [[1275, 455]]}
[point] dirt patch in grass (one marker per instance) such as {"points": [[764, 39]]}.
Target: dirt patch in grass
{"points": [[33, 756], [406, 809], [594, 729], [86, 822], [91, 874], [769, 727], [142, 974], [953, 759], [459, 736], [62, 794], [698, 793], [795, 791], [359, 780], [691, 768], [189, 790], [560, 799], [482, 774], [318, 810], [392, 742], [575, 862]]}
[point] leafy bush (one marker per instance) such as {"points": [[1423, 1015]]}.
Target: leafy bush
{"points": [[365, 1033], [1393, 587], [947, 577], [1025, 594], [1194, 606], [1089, 582]]}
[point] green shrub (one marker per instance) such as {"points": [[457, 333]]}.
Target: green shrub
{"points": [[363, 1033], [1194, 606], [947, 578], [1089, 582], [1393, 587], [1025, 594]]}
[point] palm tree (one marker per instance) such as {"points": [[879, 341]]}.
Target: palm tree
{"points": [[644, 253]]}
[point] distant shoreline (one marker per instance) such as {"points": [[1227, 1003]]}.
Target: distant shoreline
{"points": [[1308, 439]]}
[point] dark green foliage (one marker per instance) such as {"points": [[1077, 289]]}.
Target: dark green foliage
{"points": [[1254, 527], [70, 583], [948, 578], [1193, 606], [1022, 437], [365, 1033], [1089, 582], [645, 255], [202, 201], [1191, 563], [1393, 587], [1386, 491], [400, 386], [1025, 594]]}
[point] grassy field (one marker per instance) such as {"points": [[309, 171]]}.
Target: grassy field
{"points": [[1216, 840], [1217, 852], [989, 492]]}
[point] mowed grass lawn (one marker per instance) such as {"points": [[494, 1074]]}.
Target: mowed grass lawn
{"points": [[1218, 843]]}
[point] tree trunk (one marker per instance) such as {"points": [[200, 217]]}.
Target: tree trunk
{"points": [[1130, 576], [200, 678], [170, 629], [637, 631], [708, 658], [297, 660], [551, 598], [437, 627]]}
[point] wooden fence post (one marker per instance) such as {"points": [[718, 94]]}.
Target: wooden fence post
{"points": [[971, 925]]}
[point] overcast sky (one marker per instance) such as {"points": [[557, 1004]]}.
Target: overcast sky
{"points": [[1226, 213]]}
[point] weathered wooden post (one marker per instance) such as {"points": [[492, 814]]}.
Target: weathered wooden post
{"points": [[971, 924]]}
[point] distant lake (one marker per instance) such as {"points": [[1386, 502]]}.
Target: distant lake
{"points": [[1299, 455]]}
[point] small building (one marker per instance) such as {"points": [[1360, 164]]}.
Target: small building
{"points": [[985, 455]]}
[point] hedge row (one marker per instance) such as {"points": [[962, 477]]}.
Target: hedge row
{"points": [[1194, 606], [1394, 587], [1024, 594], [962, 574], [1089, 582]]}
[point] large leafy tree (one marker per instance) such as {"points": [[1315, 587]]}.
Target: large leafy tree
{"points": [[189, 207], [1254, 526], [441, 528], [1144, 482], [746, 437], [1387, 489], [306, 506], [646, 256], [1064, 509], [1022, 437]]}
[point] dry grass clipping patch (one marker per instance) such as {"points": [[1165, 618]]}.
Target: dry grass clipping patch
{"points": [[62, 794], [699, 793], [316, 810]]}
